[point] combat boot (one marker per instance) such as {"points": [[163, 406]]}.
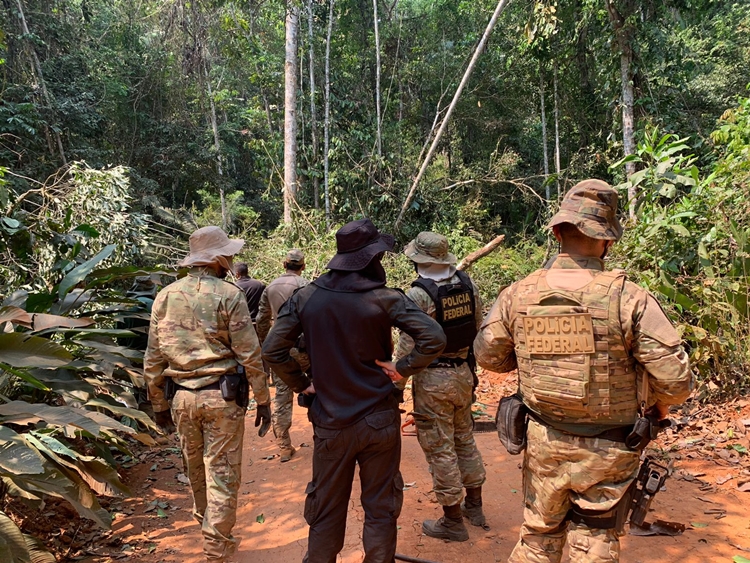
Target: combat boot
{"points": [[449, 527], [472, 507], [287, 453]]}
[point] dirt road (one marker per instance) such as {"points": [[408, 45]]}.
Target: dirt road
{"points": [[273, 530]]}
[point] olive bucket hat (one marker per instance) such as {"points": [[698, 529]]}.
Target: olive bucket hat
{"points": [[591, 206], [357, 243], [207, 244], [429, 248]]}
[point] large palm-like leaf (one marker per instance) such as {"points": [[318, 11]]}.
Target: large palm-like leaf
{"points": [[13, 547], [21, 350]]}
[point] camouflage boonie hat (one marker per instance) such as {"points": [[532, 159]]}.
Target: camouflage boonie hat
{"points": [[296, 257], [207, 244], [591, 207], [429, 248]]}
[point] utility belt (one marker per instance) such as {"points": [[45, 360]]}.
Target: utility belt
{"points": [[513, 416], [447, 362], [233, 386]]}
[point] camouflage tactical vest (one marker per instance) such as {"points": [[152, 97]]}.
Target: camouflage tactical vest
{"points": [[572, 362]]}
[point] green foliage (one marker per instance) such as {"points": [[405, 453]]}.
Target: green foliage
{"points": [[691, 245]]}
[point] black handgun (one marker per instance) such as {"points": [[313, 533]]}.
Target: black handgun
{"points": [[651, 478]]}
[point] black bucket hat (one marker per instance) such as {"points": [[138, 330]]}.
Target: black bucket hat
{"points": [[357, 243]]}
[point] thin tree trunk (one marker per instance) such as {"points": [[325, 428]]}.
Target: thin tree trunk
{"points": [[327, 118], [557, 132], [313, 112], [42, 85], [217, 147], [377, 77], [544, 134], [467, 74], [628, 129], [624, 35], [290, 111]]}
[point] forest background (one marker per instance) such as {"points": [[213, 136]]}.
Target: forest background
{"points": [[126, 124]]}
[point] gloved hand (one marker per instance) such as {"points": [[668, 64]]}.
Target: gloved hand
{"points": [[263, 419], [164, 421]]}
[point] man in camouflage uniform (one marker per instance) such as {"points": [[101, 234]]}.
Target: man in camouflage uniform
{"points": [[201, 330], [273, 297], [443, 391], [582, 339]]}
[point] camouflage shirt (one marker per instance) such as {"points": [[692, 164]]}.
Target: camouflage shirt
{"points": [[274, 296], [201, 329], [649, 336]]}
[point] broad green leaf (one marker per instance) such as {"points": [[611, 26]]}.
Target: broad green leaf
{"points": [[260, 518], [740, 559], [38, 551], [102, 478], [680, 229], [21, 350], [141, 417], [16, 457], [12, 545], [87, 230], [79, 273], [21, 412]]}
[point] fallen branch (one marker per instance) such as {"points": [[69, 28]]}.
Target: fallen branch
{"points": [[467, 262]]}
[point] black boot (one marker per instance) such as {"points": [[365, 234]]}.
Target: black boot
{"points": [[450, 527], [472, 507]]}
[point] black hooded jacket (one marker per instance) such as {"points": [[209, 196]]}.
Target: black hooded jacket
{"points": [[347, 319]]}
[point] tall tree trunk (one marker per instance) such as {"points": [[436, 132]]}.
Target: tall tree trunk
{"points": [[467, 74], [377, 77], [313, 112], [327, 118], [624, 34], [290, 110], [557, 130], [217, 148], [628, 129], [545, 152], [41, 84]]}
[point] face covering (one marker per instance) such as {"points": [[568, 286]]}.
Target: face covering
{"points": [[436, 272]]}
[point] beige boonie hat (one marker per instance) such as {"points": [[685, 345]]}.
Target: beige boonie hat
{"points": [[591, 206], [295, 256], [429, 248], [207, 244]]}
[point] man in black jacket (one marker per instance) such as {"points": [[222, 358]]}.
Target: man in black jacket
{"points": [[347, 315]]}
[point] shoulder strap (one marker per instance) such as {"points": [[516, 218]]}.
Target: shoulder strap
{"points": [[428, 286]]}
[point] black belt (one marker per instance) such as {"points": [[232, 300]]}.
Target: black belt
{"points": [[210, 387], [447, 362], [618, 434]]}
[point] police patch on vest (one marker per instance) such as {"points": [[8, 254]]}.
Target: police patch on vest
{"points": [[559, 334], [457, 306]]}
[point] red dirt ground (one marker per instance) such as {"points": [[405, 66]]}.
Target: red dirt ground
{"points": [[275, 491]]}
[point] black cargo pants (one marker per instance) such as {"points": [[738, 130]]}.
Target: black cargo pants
{"points": [[374, 443]]}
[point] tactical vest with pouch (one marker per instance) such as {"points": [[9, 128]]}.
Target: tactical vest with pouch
{"points": [[455, 310], [573, 364]]}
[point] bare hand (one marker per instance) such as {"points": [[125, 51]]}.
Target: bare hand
{"points": [[310, 389], [389, 368]]}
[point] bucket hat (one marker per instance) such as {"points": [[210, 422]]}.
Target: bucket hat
{"points": [[429, 248], [207, 244], [357, 243], [591, 206]]}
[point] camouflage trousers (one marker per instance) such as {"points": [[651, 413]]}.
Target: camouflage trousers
{"points": [[560, 470], [211, 432], [442, 413], [283, 403]]}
